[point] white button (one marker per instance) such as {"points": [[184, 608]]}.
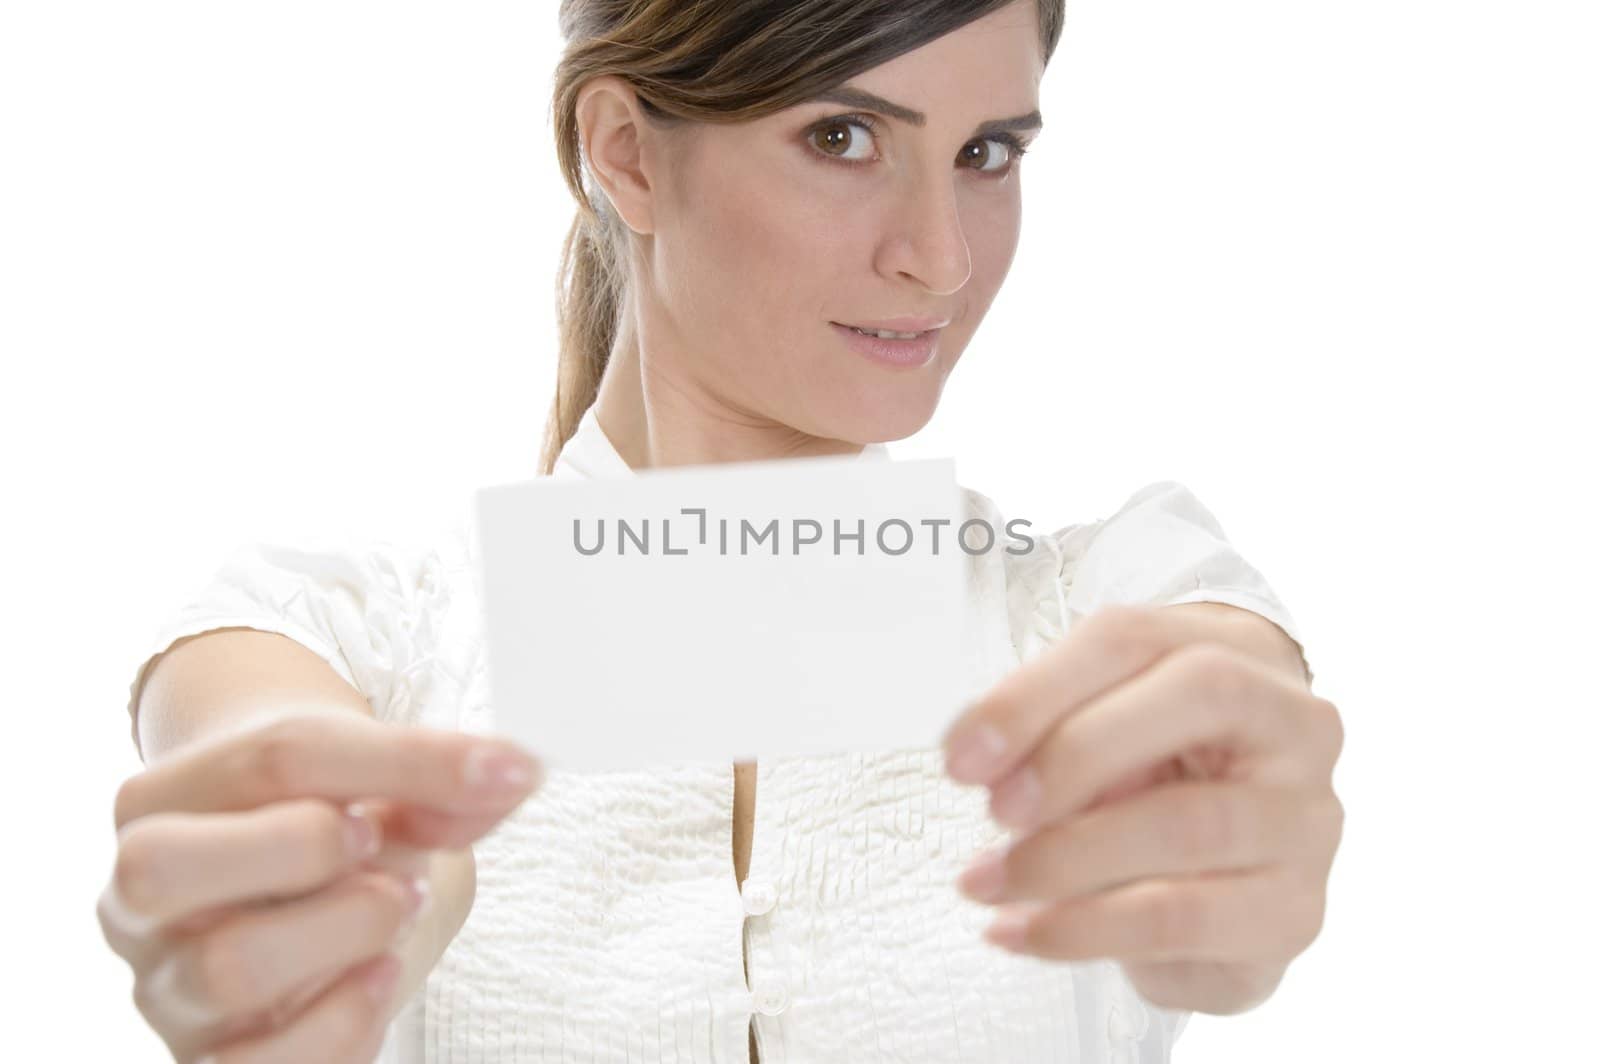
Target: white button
{"points": [[759, 897], [771, 1000]]}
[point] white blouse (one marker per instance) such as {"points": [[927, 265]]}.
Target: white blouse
{"points": [[608, 925]]}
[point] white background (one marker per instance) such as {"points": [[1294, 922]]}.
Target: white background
{"points": [[283, 270]]}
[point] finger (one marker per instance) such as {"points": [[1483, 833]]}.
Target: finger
{"points": [[1224, 917], [280, 1015], [339, 757], [1171, 830], [1139, 780], [120, 932], [127, 918], [1200, 695], [247, 963], [173, 866], [430, 829], [1106, 648], [410, 835], [404, 863], [286, 1008], [347, 1022]]}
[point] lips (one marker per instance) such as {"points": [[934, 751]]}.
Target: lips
{"points": [[900, 325], [899, 334], [914, 351]]}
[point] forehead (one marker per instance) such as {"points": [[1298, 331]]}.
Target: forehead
{"points": [[983, 74], [1005, 42], [992, 63]]}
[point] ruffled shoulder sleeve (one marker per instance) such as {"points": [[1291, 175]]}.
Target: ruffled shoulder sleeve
{"points": [[1162, 547], [371, 611]]}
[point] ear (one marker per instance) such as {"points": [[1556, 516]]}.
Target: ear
{"points": [[611, 126]]}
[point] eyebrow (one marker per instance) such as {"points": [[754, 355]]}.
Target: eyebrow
{"points": [[861, 98]]}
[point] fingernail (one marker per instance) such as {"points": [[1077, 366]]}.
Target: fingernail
{"points": [[418, 891], [1008, 929], [1015, 801], [977, 754], [360, 832], [380, 980], [985, 880], [495, 770]]}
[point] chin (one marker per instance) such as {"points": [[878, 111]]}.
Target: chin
{"points": [[894, 419], [864, 404]]}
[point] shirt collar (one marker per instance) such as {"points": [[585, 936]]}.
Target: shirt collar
{"points": [[590, 455]]}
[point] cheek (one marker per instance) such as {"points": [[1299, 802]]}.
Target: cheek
{"points": [[778, 244], [757, 257], [992, 229], [992, 238]]}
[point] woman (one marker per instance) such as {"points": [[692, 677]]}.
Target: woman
{"points": [[757, 183]]}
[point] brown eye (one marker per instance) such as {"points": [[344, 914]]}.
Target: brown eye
{"points": [[977, 152], [836, 138]]}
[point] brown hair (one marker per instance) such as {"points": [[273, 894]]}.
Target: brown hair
{"points": [[711, 61]]}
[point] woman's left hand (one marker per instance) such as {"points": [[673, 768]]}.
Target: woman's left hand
{"points": [[1171, 792]]}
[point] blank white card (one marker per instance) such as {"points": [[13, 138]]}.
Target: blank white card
{"points": [[724, 612]]}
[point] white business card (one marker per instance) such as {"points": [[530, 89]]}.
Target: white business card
{"points": [[724, 612]]}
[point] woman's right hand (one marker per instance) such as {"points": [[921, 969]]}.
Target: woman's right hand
{"points": [[257, 912]]}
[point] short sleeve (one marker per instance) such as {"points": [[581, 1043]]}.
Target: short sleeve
{"points": [[370, 611], [1165, 548], [1162, 547]]}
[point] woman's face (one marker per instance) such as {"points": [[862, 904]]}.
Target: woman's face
{"points": [[768, 233]]}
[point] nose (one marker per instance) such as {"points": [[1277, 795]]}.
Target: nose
{"points": [[927, 242]]}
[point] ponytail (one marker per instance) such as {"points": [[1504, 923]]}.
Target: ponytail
{"points": [[588, 298]]}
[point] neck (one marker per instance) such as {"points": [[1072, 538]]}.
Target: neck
{"points": [[656, 416]]}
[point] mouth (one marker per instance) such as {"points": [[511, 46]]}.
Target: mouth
{"points": [[891, 347], [884, 334]]}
